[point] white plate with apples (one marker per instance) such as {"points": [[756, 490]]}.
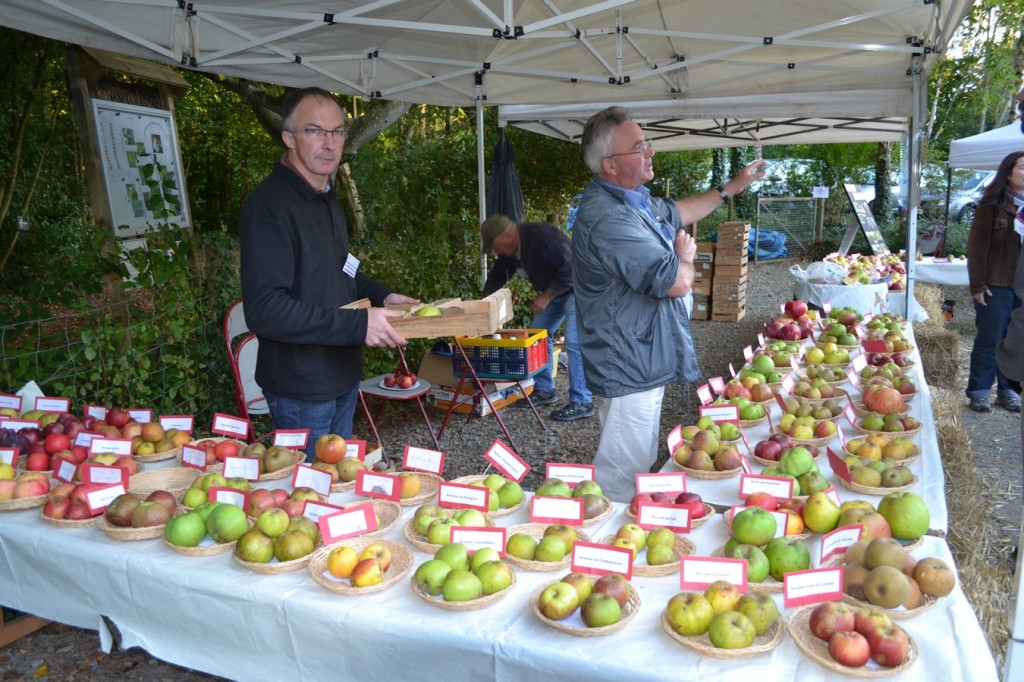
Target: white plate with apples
{"points": [[393, 383], [853, 655]]}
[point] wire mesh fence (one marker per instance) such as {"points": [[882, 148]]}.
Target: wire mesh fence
{"points": [[795, 217]]}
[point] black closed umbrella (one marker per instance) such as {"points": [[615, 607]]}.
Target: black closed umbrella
{"points": [[504, 195]]}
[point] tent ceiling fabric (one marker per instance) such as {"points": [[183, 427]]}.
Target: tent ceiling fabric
{"points": [[986, 150], [454, 52]]}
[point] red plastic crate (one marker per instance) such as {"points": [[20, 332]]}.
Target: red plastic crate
{"points": [[506, 357]]}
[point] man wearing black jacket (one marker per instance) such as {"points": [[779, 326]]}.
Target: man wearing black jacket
{"points": [[297, 272]]}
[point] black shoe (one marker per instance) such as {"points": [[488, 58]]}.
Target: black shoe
{"points": [[572, 412], [980, 405], [1009, 403], [538, 398]]}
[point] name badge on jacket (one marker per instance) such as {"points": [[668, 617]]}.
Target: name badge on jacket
{"points": [[351, 265]]}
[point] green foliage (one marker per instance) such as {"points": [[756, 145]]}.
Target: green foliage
{"points": [[956, 239]]}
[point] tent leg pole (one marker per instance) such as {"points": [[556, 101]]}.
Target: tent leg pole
{"points": [[481, 179]]}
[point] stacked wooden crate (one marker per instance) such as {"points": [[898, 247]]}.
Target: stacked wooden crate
{"points": [[703, 272], [729, 288]]}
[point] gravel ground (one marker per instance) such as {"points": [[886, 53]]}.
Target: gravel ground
{"points": [[58, 652]]}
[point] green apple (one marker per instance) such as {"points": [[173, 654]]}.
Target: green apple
{"points": [[510, 494], [558, 601], [550, 548], [731, 630], [796, 461], [470, 517], [455, 554], [554, 487], [753, 526], [482, 556], [521, 546], [273, 521], [757, 561], [661, 537], [461, 585], [659, 555], [820, 513], [689, 613], [430, 576], [786, 555], [760, 608], [587, 488], [495, 576], [494, 482], [906, 513], [440, 531], [633, 533], [599, 610]]}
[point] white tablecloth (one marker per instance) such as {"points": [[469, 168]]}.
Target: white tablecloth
{"points": [[873, 298], [930, 271]]}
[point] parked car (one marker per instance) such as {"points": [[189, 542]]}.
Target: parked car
{"points": [[963, 197]]}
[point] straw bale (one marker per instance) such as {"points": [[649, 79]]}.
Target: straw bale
{"points": [[939, 349], [929, 296]]}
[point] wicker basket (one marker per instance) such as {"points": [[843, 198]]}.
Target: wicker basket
{"points": [[817, 649], [216, 466], [898, 613], [815, 442], [858, 407], [537, 531], [911, 432], [429, 485], [869, 490], [478, 479], [707, 475], [570, 626], [709, 511], [748, 423], [683, 547], [346, 486], [175, 480], [160, 456], [275, 567], [606, 511], [470, 605], [128, 533], [701, 644], [915, 454], [70, 523], [201, 549], [838, 394], [24, 502], [420, 542], [801, 375], [401, 563], [298, 456]]}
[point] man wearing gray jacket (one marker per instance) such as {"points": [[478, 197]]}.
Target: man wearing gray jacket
{"points": [[631, 267]]}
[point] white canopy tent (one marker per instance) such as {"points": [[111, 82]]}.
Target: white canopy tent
{"points": [[985, 151]]}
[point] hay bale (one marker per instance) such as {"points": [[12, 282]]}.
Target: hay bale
{"points": [[939, 349], [929, 297]]}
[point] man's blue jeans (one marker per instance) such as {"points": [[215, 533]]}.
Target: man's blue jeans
{"points": [[319, 416], [991, 321], [563, 308]]}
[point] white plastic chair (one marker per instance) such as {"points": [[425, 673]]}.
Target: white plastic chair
{"points": [[242, 357]]}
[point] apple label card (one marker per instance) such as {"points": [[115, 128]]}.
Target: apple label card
{"points": [[105, 475], [9, 456], [142, 415], [571, 474], [293, 439], [86, 437], [10, 402], [788, 382], [346, 523], [510, 464], [778, 486], [122, 447], [675, 517], [59, 405], [744, 463], [18, 424], [732, 371], [748, 353], [232, 427], [242, 467], [97, 411], [671, 483], [781, 400], [375, 484], [837, 541], [317, 479], [567, 510], [718, 384], [696, 573], [594, 559], [182, 422], [704, 394], [314, 509], [761, 341], [812, 586], [193, 457], [826, 308], [842, 439], [873, 346], [234, 496], [674, 439], [356, 448], [98, 500], [838, 465], [720, 413], [478, 538], [64, 470], [459, 496], [422, 459], [833, 495], [849, 413]]}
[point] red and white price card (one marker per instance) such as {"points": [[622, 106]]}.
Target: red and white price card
{"points": [[594, 559], [506, 461], [674, 439], [873, 346], [859, 362], [550, 509], [356, 448], [97, 411], [242, 467], [761, 340], [293, 439], [193, 457], [143, 415], [671, 483], [422, 459], [571, 474], [347, 523], [478, 538], [104, 475], [838, 465], [182, 422], [317, 479], [12, 402], [122, 447], [696, 573], [232, 427], [833, 495], [17, 424], [717, 384], [814, 585], [99, 499], [779, 486], [461, 496], [826, 308], [732, 371], [675, 517], [85, 438], [788, 382], [314, 509], [239, 498], [47, 404], [748, 353], [9, 456], [849, 413], [837, 541], [704, 395], [380, 485], [720, 413], [64, 470]]}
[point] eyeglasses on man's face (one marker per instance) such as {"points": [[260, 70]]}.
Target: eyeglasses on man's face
{"points": [[641, 148], [318, 133]]}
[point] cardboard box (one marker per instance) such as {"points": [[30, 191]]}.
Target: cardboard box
{"points": [[457, 318], [701, 286], [437, 369]]}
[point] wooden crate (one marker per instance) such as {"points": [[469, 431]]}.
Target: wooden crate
{"points": [[457, 318], [730, 272], [18, 626], [701, 286], [701, 307], [728, 316]]}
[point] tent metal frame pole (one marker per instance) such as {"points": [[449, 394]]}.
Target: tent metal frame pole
{"points": [[918, 106], [481, 180]]}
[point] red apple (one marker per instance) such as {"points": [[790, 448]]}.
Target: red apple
{"points": [[331, 448], [390, 381], [615, 585], [849, 648], [77, 511], [830, 617], [768, 449], [795, 308], [763, 500], [37, 461], [693, 503], [889, 645], [225, 448], [637, 499], [55, 442], [118, 417], [56, 506], [794, 504]]}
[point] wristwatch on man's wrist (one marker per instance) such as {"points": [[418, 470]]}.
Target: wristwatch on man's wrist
{"points": [[722, 193]]}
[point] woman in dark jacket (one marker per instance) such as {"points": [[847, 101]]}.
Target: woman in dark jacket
{"points": [[993, 248]]}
